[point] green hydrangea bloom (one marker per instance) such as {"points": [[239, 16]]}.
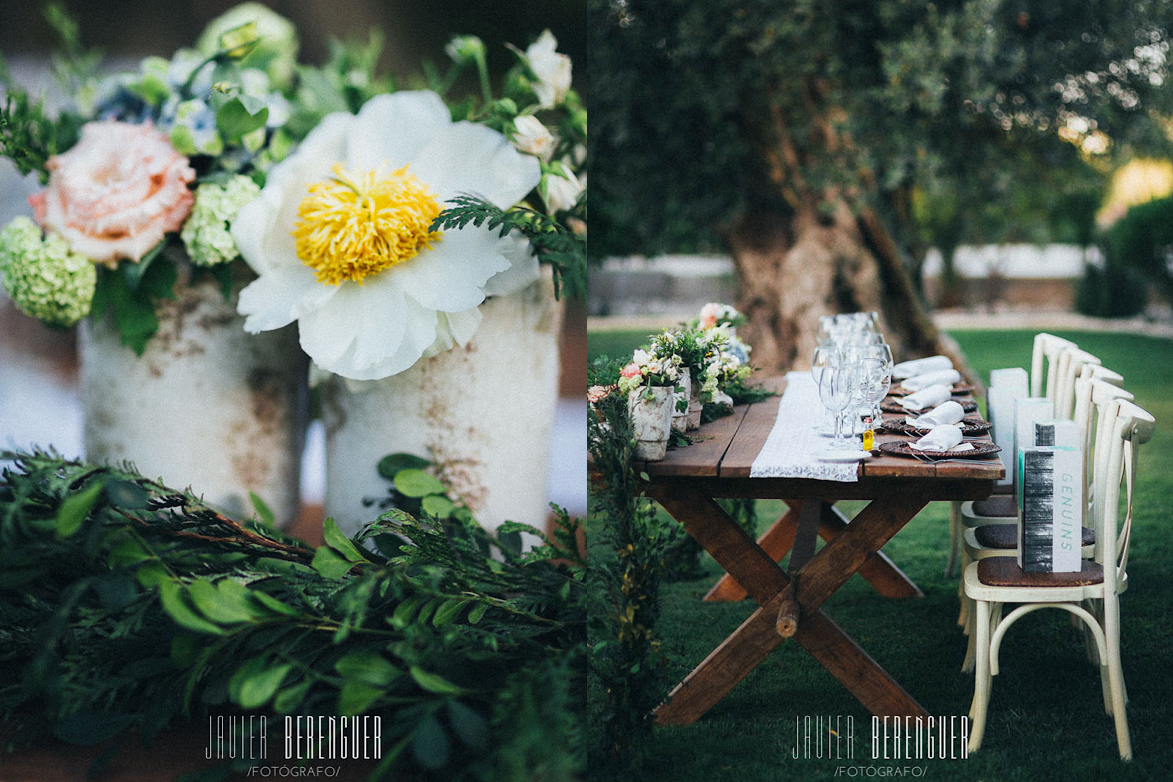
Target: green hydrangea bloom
{"points": [[205, 234], [44, 278]]}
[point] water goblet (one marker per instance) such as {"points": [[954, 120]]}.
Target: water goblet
{"points": [[835, 393]]}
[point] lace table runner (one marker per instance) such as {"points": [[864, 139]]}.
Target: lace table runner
{"points": [[789, 450]]}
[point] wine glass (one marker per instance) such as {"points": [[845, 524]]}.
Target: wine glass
{"points": [[821, 359], [835, 393], [875, 380]]}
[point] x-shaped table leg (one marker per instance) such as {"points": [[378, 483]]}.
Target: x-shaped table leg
{"points": [[766, 583], [878, 570]]}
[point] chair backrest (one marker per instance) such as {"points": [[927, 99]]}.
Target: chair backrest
{"points": [[1098, 372], [1070, 365], [1130, 427], [1091, 402], [1046, 346]]}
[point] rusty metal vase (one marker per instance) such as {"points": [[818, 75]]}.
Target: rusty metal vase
{"points": [[651, 409], [206, 405], [695, 406], [482, 414]]}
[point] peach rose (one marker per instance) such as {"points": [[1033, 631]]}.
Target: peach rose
{"points": [[596, 394], [709, 314], [116, 192], [631, 370]]}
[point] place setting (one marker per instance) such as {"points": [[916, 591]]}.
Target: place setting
{"points": [[854, 374]]}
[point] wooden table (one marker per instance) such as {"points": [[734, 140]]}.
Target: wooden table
{"points": [[687, 483]]}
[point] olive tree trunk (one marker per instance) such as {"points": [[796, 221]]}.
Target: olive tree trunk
{"points": [[809, 252]]}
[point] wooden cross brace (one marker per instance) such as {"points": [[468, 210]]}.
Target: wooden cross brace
{"points": [[756, 571]]}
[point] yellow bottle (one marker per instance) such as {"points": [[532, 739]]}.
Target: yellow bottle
{"points": [[869, 436]]}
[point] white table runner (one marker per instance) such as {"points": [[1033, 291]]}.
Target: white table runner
{"points": [[789, 450]]}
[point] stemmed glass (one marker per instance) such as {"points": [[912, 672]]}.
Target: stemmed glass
{"points": [[875, 378], [883, 354], [835, 393], [823, 358]]}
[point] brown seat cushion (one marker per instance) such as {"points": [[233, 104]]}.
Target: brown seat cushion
{"points": [[997, 505], [1004, 571], [1006, 536]]}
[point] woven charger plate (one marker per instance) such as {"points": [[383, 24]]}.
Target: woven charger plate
{"points": [[979, 450], [959, 389], [894, 407], [969, 426]]}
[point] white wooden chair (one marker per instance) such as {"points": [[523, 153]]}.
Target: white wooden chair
{"points": [[1071, 364], [999, 538], [1046, 348], [1092, 594]]}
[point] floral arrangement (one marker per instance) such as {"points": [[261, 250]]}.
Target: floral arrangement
{"points": [[718, 314], [727, 362], [378, 220], [647, 369], [685, 343]]}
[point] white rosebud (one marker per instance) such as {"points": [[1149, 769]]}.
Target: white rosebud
{"points": [[532, 137], [465, 49], [562, 191], [552, 69]]}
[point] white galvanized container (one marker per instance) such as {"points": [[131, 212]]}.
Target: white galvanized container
{"points": [[483, 414], [206, 405], [651, 420]]}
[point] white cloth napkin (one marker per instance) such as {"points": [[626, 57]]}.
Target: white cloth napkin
{"points": [[944, 377], [920, 366], [926, 398], [948, 413], [945, 437]]}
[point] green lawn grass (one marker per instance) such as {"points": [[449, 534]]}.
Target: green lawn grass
{"points": [[1046, 715]]}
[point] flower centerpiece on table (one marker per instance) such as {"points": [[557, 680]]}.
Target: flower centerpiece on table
{"points": [[726, 364], [652, 386], [648, 370], [164, 156], [687, 345]]}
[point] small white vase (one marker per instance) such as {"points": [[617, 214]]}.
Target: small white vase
{"points": [[205, 406], [694, 407], [680, 417], [651, 420], [482, 414]]}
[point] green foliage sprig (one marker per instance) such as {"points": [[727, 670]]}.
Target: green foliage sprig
{"points": [[555, 243], [626, 659], [126, 605], [744, 393], [74, 66], [28, 136]]}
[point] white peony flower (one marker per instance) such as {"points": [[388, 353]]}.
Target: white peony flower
{"points": [[340, 236], [552, 69]]}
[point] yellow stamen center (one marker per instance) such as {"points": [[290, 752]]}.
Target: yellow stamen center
{"points": [[349, 227]]}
